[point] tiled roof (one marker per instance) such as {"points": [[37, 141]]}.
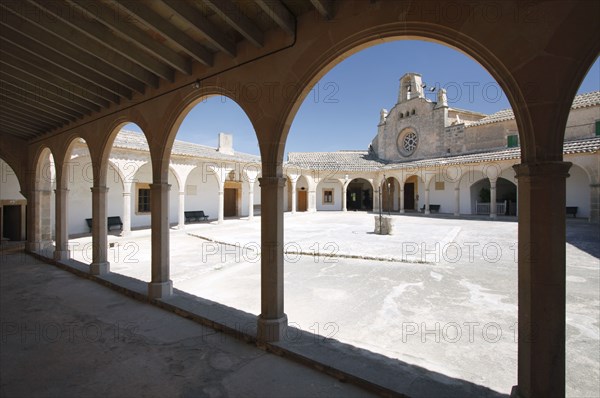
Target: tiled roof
{"points": [[580, 101], [137, 141], [342, 160], [363, 161]]}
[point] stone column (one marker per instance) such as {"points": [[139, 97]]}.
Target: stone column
{"points": [[126, 214], [250, 200], [181, 223], [160, 286], [493, 198], [427, 200], [457, 200], [542, 226], [294, 197], [344, 197], [100, 264], [376, 193], [34, 238], [46, 222], [61, 252], [272, 320], [401, 198], [312, 200], [221, 215]]}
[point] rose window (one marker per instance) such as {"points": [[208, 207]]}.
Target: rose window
{"points": [[409, 143]]}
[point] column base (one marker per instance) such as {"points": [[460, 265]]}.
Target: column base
{"points": [[401, 211], [180, 227], [492, 215], [100, 268], [125, 233], [427, 212], [33, 246], [271, 330], [344, 209], [514, 392], [456, 214], [158, 290], [60, 255]]}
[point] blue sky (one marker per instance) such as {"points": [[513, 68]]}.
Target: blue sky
{"points": [[342, 110]]}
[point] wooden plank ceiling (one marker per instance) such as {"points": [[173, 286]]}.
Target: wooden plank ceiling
{"points": [[63, 60]]}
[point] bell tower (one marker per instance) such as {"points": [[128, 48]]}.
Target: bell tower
{"points": [[411, 86]]}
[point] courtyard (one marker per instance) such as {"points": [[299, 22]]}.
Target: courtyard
{"points": [[440, 292]]}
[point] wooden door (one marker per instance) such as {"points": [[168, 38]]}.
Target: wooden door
{"points": [[230, 202], [11, 222], [302, 200], [409, 196]]}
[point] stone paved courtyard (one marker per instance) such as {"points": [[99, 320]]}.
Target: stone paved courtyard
{"points": [[440, 293]]}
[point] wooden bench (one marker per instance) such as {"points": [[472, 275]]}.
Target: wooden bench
{"points": [[110, 222], [196, 215], [572, 210], [432, 208]]}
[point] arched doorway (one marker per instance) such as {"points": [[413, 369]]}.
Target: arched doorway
{"points": [[13, 226], [359, 195], [506, 197]]}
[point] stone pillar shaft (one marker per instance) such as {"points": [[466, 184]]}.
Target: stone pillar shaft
{"points": [[344, 197], [542, 225], [427, 201], [250, 200], [221, 215], [160, 285], [61, 251], [493, 209], [294, 197], [181, 223], [34, 237], [100, 264], [272, 320], [457, 200], [402, 198]]}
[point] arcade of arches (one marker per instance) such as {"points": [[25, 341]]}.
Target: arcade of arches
{"points": [[539, 60]]}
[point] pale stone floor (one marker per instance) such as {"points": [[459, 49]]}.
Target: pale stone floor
{"points": [[440, 293]]}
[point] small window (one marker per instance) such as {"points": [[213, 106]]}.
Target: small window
{"points": [[440, 186], [512, 141], [597, 127], [401, 115], [413, 111], [328, 196], [143, 198], [407, 113]]}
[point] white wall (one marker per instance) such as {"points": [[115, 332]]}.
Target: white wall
{"points": [[114, 198], [9, 184], [578, 191], [79, 204], [444, 198], [337, 195], [206, 197], [143, 175]]}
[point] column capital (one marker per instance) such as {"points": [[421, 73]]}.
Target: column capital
{"points": [[57, 190], [126, 193], [272, 181], [99, 189], [542, 169]]}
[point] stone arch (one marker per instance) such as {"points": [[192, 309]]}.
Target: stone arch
{"points": [[360, 194], [391, 201], [114, 128], [12, 204], [180, 107]]}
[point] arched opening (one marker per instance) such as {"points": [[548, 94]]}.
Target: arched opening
{"points": [[506, 197], [44, 212], [423, 131], [13, 226], [302, 194], [390, 195], [79, 181], [214, 156], [359, 195]]}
